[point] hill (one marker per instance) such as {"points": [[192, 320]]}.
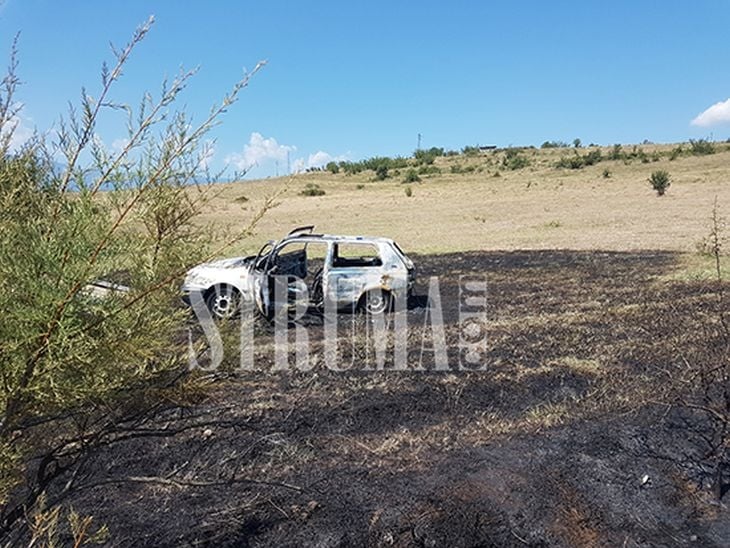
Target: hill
{"points": [[476, 202]]}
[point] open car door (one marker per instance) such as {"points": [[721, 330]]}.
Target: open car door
{"points": [[287, 265]]}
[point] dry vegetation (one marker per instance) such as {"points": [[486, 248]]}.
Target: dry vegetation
{"points": [[537, 207]]}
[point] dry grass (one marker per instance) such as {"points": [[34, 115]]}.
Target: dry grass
{"points": [[538, 207]]}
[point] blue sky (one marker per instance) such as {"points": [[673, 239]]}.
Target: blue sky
{"points": [[359, 79]]}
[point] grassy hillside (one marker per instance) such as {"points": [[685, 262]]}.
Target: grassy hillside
{"points": [[476, 203]]}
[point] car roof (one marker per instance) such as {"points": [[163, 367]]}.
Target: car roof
{"points": [[336, 238]]}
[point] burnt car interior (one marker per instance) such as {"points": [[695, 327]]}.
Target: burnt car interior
{"points": [[360, 255], [305, 261]]}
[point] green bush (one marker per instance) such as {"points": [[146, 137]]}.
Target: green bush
{"points": [[593, 157], [676, 152], [470, 151], [514, 159], [333, 167], [312, 189], [554, 144], [412, 177], [660, 181], [381, 172], [571, 162], [429, 170], [428, 156], [701, 147], [409, 191], [616, 153]]}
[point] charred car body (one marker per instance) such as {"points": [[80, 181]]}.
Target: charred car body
{"points": [[346, 272]]}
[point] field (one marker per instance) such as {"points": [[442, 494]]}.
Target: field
{"points": [[538, 207], [599, 299]]}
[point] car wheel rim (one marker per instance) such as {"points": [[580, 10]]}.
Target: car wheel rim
{"points": [[376, 304], [223, 306]]}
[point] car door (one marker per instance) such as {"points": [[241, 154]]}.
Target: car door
{"points": [[287, 263], [353, 268]]}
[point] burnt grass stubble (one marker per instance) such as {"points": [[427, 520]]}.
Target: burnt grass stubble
{"points": [[562, 441]]}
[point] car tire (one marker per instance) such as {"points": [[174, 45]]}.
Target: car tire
{"points": [[375, 302], [223, 302]]}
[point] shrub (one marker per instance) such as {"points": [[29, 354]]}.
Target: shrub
{"points": [[428, 156], [351, 168], [606, 173], [593, 157], [576, 143], [616, 153], [333, 167], [470, 151], [660, 181], [312, 189], [676, 152], [411, 177], [65, 352], [409, 191], [554, 144], [701, 147], [381, 172], [571, 162], [429, 170], [514, 159]]}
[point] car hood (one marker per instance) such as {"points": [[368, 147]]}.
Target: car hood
{"points": [[234, 262]]}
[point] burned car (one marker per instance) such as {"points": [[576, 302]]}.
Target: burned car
{"points": [[346, 272]]}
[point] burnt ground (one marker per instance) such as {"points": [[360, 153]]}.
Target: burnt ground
{"points": [[563, 439]]}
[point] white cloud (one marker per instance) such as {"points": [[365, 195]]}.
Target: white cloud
{"points": [[719, 113], [318, 159], [259, 151]]}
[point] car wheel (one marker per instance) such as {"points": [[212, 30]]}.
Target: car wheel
{"points": [[376, 302], [223, 302]]}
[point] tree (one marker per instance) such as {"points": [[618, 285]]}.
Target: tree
{"points": [[72, 363]]}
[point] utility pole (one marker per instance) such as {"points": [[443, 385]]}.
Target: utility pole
{"points": [[419, 142], [288, 164]]}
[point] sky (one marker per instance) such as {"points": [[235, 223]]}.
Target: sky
{"points": [[352, 80]]}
